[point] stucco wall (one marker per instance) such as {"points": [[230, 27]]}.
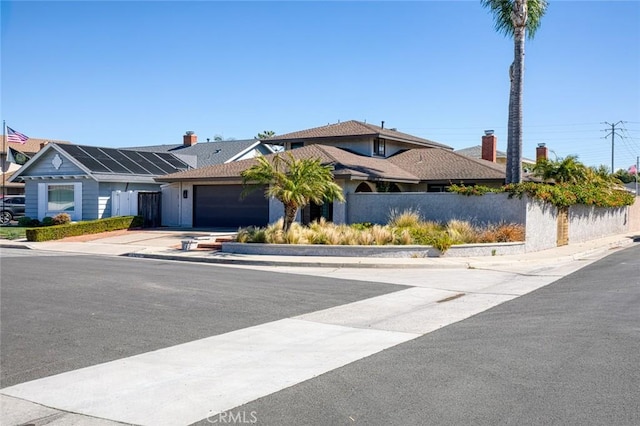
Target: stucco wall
{"points": [[541, 225], [360, 145], [588, 222], [634, 216], [440, 207]]}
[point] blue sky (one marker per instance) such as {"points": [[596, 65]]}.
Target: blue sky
{"points": [[140, 73]]}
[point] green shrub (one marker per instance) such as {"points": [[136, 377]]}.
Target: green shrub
{"points": [[28, 222], [442, 242], [566, 194], [57, 232], [561, 194], [472, 190], [47, 221]]}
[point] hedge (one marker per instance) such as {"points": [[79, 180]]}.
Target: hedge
{"points": [[57, 232]]}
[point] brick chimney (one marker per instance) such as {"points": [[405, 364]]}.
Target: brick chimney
{"points": [[542, 152], [489, 145], [190, 138]]}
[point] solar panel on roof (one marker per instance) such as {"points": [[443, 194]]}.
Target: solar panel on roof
{"points": [[102, 156], [84, 158], [122, 161], [138, 158], [158, 162], [175, 162], [119, 156]]}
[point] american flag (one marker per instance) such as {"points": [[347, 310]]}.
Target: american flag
{"points": [[13, 136]]}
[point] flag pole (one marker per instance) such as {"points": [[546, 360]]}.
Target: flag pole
{"points": [[4, 161]]}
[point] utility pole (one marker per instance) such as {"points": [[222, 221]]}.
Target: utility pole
{"points": [[612, 133], [637, 172]]}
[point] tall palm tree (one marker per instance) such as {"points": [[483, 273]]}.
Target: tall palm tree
{"points": [[518, 19], [294, 182]]}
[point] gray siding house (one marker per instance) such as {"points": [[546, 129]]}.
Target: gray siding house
{"points": [[80, 180]]}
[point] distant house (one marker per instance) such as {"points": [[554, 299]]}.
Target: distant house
{"points": [[210, 153], [365, 158], [81, 180], [13, 156], [488, 151]]}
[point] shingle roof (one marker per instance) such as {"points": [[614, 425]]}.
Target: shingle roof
{"points": [[31, 145], [354, 128], [440, 164], [207, 153], [476, 152], [344, 162]]}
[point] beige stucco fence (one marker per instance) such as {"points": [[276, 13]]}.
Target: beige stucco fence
{"points": [[540, 219]]}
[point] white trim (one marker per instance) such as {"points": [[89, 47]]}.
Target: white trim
{"points": [[42, 200], [246, 151], [77, 200], [42, 152], [43, 193]]}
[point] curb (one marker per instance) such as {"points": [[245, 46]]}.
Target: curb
{"points": [[255, 262], [15, 246], [433, 263]]}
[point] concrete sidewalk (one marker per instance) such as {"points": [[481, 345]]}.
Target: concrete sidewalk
{"points": [[166, 245], [221, 372]]}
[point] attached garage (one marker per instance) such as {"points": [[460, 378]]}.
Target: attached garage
{"points": [[222, 206]]}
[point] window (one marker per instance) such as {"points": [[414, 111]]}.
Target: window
{"points": [[437, 188], [60, 198], [55, 198], [379, 146], [295, 145]]}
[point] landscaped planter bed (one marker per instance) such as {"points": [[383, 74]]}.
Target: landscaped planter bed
{"points": [[400, 251]]}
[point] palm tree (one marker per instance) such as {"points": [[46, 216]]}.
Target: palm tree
{"points": [[294, 182], [517, 19], [563, 170]]}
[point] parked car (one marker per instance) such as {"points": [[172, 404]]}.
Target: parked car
{"points": [[11, 207]]}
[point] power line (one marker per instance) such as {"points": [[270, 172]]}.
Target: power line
{"points": [[612, 133]]}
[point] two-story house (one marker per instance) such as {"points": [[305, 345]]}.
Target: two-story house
{"points": [[365, 158]]}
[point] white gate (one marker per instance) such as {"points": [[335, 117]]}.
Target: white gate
{"points": [[124, 203]]}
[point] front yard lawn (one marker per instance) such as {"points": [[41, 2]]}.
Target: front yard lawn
{"points": [[12, 232]]}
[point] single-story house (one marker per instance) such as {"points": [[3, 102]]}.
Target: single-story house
{"points": [[365, 158], [13, 156], [80, 180]]}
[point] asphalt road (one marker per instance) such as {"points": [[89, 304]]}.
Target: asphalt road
{"points": [[566, 354], [60, 313]]}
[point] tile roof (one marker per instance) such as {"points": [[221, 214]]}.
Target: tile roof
{"points": [[355, 128], [207, 153], [31, 145], [345, 164], [439, 164]]}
